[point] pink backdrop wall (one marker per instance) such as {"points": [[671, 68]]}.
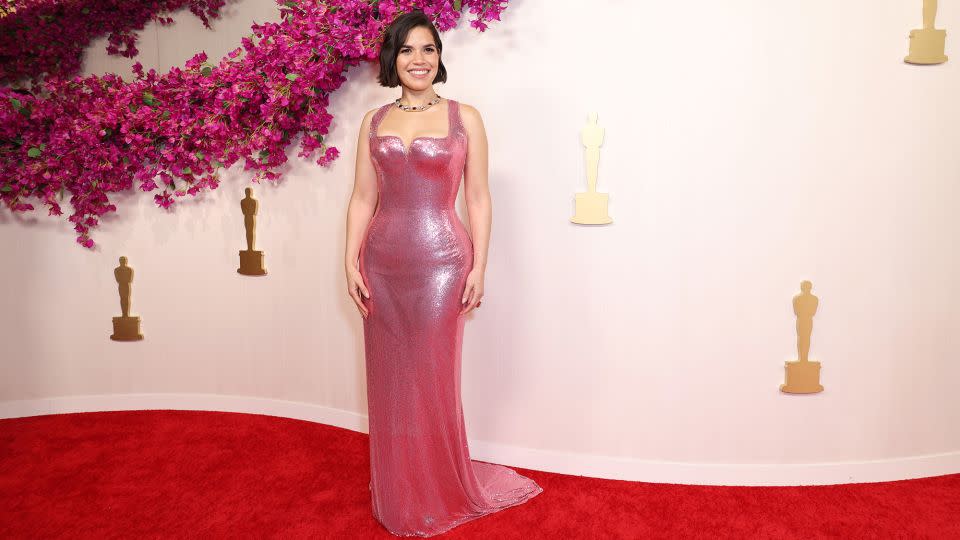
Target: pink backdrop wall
{"points": [[748, 146]]}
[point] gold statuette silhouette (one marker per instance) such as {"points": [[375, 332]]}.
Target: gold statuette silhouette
{"points": [[125, 327], [803, 376], [591, 206], [251, 262], [927, 44]]}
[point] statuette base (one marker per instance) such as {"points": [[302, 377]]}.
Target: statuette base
{"points": [[803, 377], [927, 47], [251, 263], [126, 329], [592, 208]]}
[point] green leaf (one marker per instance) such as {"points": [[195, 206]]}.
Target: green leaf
{"points": [[206, 71], [187, 171], [34, 152], [456, 5], [292, 77], [165, 115], [6, 189], [199, 155], [16, 103], [290, 4], [85, 11]]}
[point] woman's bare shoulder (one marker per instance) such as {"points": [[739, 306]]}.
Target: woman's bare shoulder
{"points": [[368, 117], [466, 108], [470, 115], [369, 114]]}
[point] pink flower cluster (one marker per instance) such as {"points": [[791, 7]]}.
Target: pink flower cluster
{"points": [[39, 38], [97, 135]]}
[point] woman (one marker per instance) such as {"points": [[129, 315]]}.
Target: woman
{"points": [[414, 273]]}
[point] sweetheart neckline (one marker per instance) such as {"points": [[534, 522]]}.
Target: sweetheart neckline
{"points": [[406, 148]]}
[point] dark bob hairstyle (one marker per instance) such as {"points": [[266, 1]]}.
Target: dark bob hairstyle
{"points": [[393, 39]]}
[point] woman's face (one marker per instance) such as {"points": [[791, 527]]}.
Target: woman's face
{"points": [[418, 59]]}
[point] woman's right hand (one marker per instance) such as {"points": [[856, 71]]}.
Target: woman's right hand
{"points": [[355, 287]]}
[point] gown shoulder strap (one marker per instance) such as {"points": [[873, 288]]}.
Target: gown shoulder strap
{"points": [[456, 122], [377, 117]]}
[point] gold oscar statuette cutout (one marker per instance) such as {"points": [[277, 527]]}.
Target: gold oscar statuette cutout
{"points": [[591, 207], [125, 327], [803, 376], [927, 44], [251, 262]]}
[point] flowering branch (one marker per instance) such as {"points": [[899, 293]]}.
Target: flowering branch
{"points": [[93, 136], [41, 38]]}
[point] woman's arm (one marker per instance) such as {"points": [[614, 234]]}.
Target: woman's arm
{"points": [[479, 207], [363, 203]]}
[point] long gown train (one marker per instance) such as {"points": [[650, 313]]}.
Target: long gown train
{"points": [[414, 259]]}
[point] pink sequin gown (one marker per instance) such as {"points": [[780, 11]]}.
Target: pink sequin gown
{"points": [[414, 259]]}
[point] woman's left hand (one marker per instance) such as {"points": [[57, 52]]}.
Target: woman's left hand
{"points": [[472, 291]]}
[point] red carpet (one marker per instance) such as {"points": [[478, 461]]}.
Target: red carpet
{"points": [[190, 474]]}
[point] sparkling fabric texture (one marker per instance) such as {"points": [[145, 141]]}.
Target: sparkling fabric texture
{"points": [[414, 258]]}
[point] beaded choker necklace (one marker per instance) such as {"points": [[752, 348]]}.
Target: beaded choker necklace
{"points": [[429, 104]]}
